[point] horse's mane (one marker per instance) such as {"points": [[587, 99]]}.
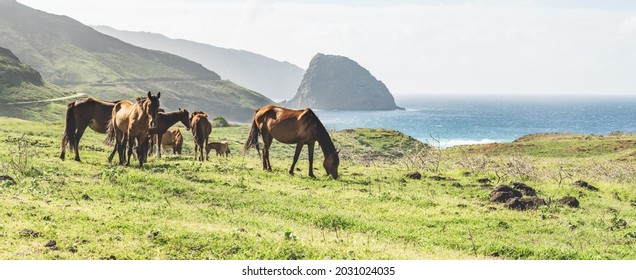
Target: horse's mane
{"points": [[170, 114], [323, 135], [201, 113], [141, 100]]}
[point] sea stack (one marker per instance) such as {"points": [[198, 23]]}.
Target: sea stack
{"points": [[335, 82]]}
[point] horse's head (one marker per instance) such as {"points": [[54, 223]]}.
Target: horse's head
{"points": [[152, 108], [186, 118], [331, 164]]}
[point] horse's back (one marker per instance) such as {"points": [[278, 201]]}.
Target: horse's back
{"points": [[201, 127], [172, 136], [288, 126]]}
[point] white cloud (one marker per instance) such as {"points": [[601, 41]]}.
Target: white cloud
{"points": [[477, 47]]}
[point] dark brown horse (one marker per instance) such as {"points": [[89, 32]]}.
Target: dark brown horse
{"points": [[300, 127], [130, 123], [83, 113], [201, 129], [165, 121]]}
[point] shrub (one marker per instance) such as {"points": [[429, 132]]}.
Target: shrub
{"points": [[219, 121]]}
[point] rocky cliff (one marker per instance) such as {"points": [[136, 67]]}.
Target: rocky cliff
{"points": [[338, 83]]}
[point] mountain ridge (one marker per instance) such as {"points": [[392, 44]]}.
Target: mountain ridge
{"points": [[69, 54], [272, 78]]}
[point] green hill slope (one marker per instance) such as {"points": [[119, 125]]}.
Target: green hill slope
{"points": [[20, 84], [70, 54]]}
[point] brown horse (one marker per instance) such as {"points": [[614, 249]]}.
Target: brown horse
{"points": [[83, 113], [201, 129], [172, 139], [165, 121], [300, 127], [221, 148], [131, 122]]}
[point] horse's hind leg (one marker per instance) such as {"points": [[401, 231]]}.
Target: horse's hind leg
{"points": [[121, 151], [207, 154], [63, 150], [112, 154], [196, 147], [80, 132], [267, 142], [299, 148]]}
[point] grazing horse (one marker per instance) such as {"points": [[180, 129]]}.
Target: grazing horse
{"points": [[83, 113], [165, 121], [131, 122], [172, 139], [221, 148], [300, 127], [201, 129]]}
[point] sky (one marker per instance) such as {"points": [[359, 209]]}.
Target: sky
{"points": [[454, 47]]}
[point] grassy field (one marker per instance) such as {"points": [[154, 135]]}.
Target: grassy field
{"points": [[228, 208]]}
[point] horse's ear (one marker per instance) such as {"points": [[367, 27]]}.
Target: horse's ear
{"points": [[158, 94], [149, 94], [179, 109]]}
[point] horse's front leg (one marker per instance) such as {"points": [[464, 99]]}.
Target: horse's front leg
{"points": [[310, 148], [299, 148], [158, 144], [131, 143], [142, 150]]}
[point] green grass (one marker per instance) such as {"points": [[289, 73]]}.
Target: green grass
{"points": [[175, 208]]}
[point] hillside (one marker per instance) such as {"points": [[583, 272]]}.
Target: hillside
{"points": [[21, 83], [334, 82], [70, 54], [414, 205], [272, 78]]}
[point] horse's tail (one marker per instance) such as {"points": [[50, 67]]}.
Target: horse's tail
{"points": [[110, 130], [69, 130], [252, 138]]}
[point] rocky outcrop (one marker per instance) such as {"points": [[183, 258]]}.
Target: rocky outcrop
{"points": [[338, 83], [13, 72]]}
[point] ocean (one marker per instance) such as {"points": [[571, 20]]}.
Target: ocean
{"points": [[472, 120]]}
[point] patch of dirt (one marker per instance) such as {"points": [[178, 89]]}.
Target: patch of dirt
{"points": [[503, 193], [570, 201], [524, 189], [585, 185], [524, 203], [29, 233], [414, 175]]}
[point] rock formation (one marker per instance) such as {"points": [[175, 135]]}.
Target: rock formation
{"points": [[338, 83]]}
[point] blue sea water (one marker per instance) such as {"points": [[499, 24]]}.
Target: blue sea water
{"points": [[470, 120]]}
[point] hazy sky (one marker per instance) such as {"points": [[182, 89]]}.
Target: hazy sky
{"points": [[428, 46]]}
